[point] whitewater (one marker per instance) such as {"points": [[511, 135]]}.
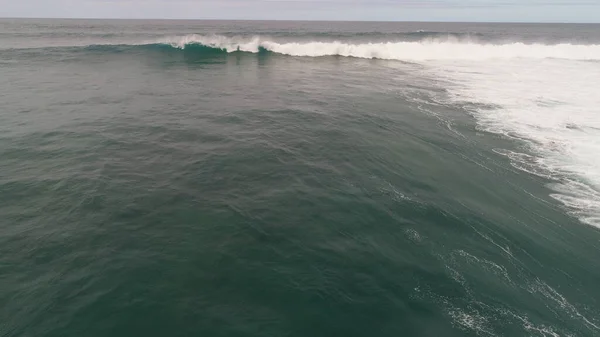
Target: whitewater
{"points": [[450, 48]]}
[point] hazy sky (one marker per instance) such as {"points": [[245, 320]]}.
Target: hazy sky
{"points": [[388, 10]]}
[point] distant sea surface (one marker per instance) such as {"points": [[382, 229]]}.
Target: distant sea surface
{"points": [[300, 179]]}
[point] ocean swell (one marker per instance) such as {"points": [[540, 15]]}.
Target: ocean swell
{"points": [[427, 49]]}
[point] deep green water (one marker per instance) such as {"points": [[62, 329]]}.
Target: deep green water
{"points": [[154, 191]]}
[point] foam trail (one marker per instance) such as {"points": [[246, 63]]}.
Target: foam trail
{"points": [[429, 49]]}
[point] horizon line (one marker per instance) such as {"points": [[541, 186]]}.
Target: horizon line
{"points": [[280, 20]]}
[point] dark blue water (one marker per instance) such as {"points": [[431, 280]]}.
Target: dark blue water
{"points": [[298, 179]]}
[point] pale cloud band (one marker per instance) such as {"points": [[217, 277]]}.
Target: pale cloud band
{"points": [[376, 10]]}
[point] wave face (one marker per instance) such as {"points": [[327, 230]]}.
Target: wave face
{"points": [[521, 85], [524, 81]]}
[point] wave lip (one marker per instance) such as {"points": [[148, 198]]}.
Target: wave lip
{"points": [[429, 49]]}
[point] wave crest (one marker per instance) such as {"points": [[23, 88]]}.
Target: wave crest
{"points": [[430, 49]]}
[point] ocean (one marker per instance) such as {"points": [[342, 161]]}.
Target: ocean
{"points": [[215, 178]]}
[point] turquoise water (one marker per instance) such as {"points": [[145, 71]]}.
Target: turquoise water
{"points": [[297, 179]]}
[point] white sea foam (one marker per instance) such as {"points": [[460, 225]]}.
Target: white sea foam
{"points": [[551, 105], [429, 49]]}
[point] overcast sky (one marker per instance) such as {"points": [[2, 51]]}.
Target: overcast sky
{"points": [[376, 10]]}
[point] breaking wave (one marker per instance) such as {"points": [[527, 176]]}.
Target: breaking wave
{"points": [[429, 49], [449, 48]]}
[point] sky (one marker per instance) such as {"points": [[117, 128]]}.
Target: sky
{"points": [[365, 10]]}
